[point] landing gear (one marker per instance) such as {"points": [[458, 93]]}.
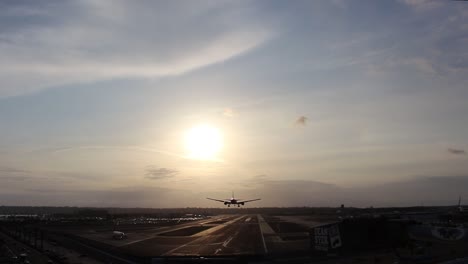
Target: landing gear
{"points": [[229, 205], [238, 205]]}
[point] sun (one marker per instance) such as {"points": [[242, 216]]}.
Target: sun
{"points": [[203, 142]]}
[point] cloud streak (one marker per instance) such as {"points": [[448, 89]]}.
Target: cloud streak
{"points": [[301, 121], [85, 42], [114, 197], [229, 112], [422, 5], [119, 148], [456, 151], [432, 190], [12, 170], [154, 173]]}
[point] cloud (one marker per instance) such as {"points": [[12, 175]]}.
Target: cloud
{"points": [[255, 180], [15, 178], [422, 5], [456, 151], [154, 173], [229, 112], [103, 147], [434, 43], [340, 3], [430, 190], [291, 192], [260, 178], [301, 121], [75, 42], [132, 196], [422, 64], [12, 170], [14, 174]]}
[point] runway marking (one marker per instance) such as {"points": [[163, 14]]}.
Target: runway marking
{"points": [[213, 244], [171, 228], [218, 250], [216, 228], [11, 252], [229, 239], [170, 252], [260, 218], [248, 219]]}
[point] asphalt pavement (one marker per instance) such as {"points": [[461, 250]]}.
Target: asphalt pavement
{"points": [[238, 235]]}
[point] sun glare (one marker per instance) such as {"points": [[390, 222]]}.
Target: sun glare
{"points": [[203, 142]]}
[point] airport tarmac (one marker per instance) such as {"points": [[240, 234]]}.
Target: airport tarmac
{"points": [[215, 236], [224, 235]]}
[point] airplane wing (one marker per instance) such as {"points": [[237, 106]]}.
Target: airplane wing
{"points": [[246, 201], [216, 200]]}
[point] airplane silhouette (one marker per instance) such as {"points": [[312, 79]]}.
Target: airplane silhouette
{"points": [[233, 201]]}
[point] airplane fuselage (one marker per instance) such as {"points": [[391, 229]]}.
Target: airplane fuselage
{"points": [[233, 202]]}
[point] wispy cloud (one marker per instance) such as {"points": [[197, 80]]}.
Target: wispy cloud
{"points": [[339, 3], [103, 147], [12, 170], [85, 41], [14, 174], [422, 5], [301, 121], [115, 197], [456, 151], [256, 180], [15, 178], [229, 112], [155, 173], [260, 178], [431, 190]]}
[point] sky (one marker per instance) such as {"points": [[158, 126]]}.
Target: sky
{"points": [[314, 103]]}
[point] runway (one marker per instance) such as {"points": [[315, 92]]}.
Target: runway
{"points": [[226, 235], [222, 235]]}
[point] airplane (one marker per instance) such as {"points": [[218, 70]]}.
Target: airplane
{"points": [[118, 235], [233, 201]]}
